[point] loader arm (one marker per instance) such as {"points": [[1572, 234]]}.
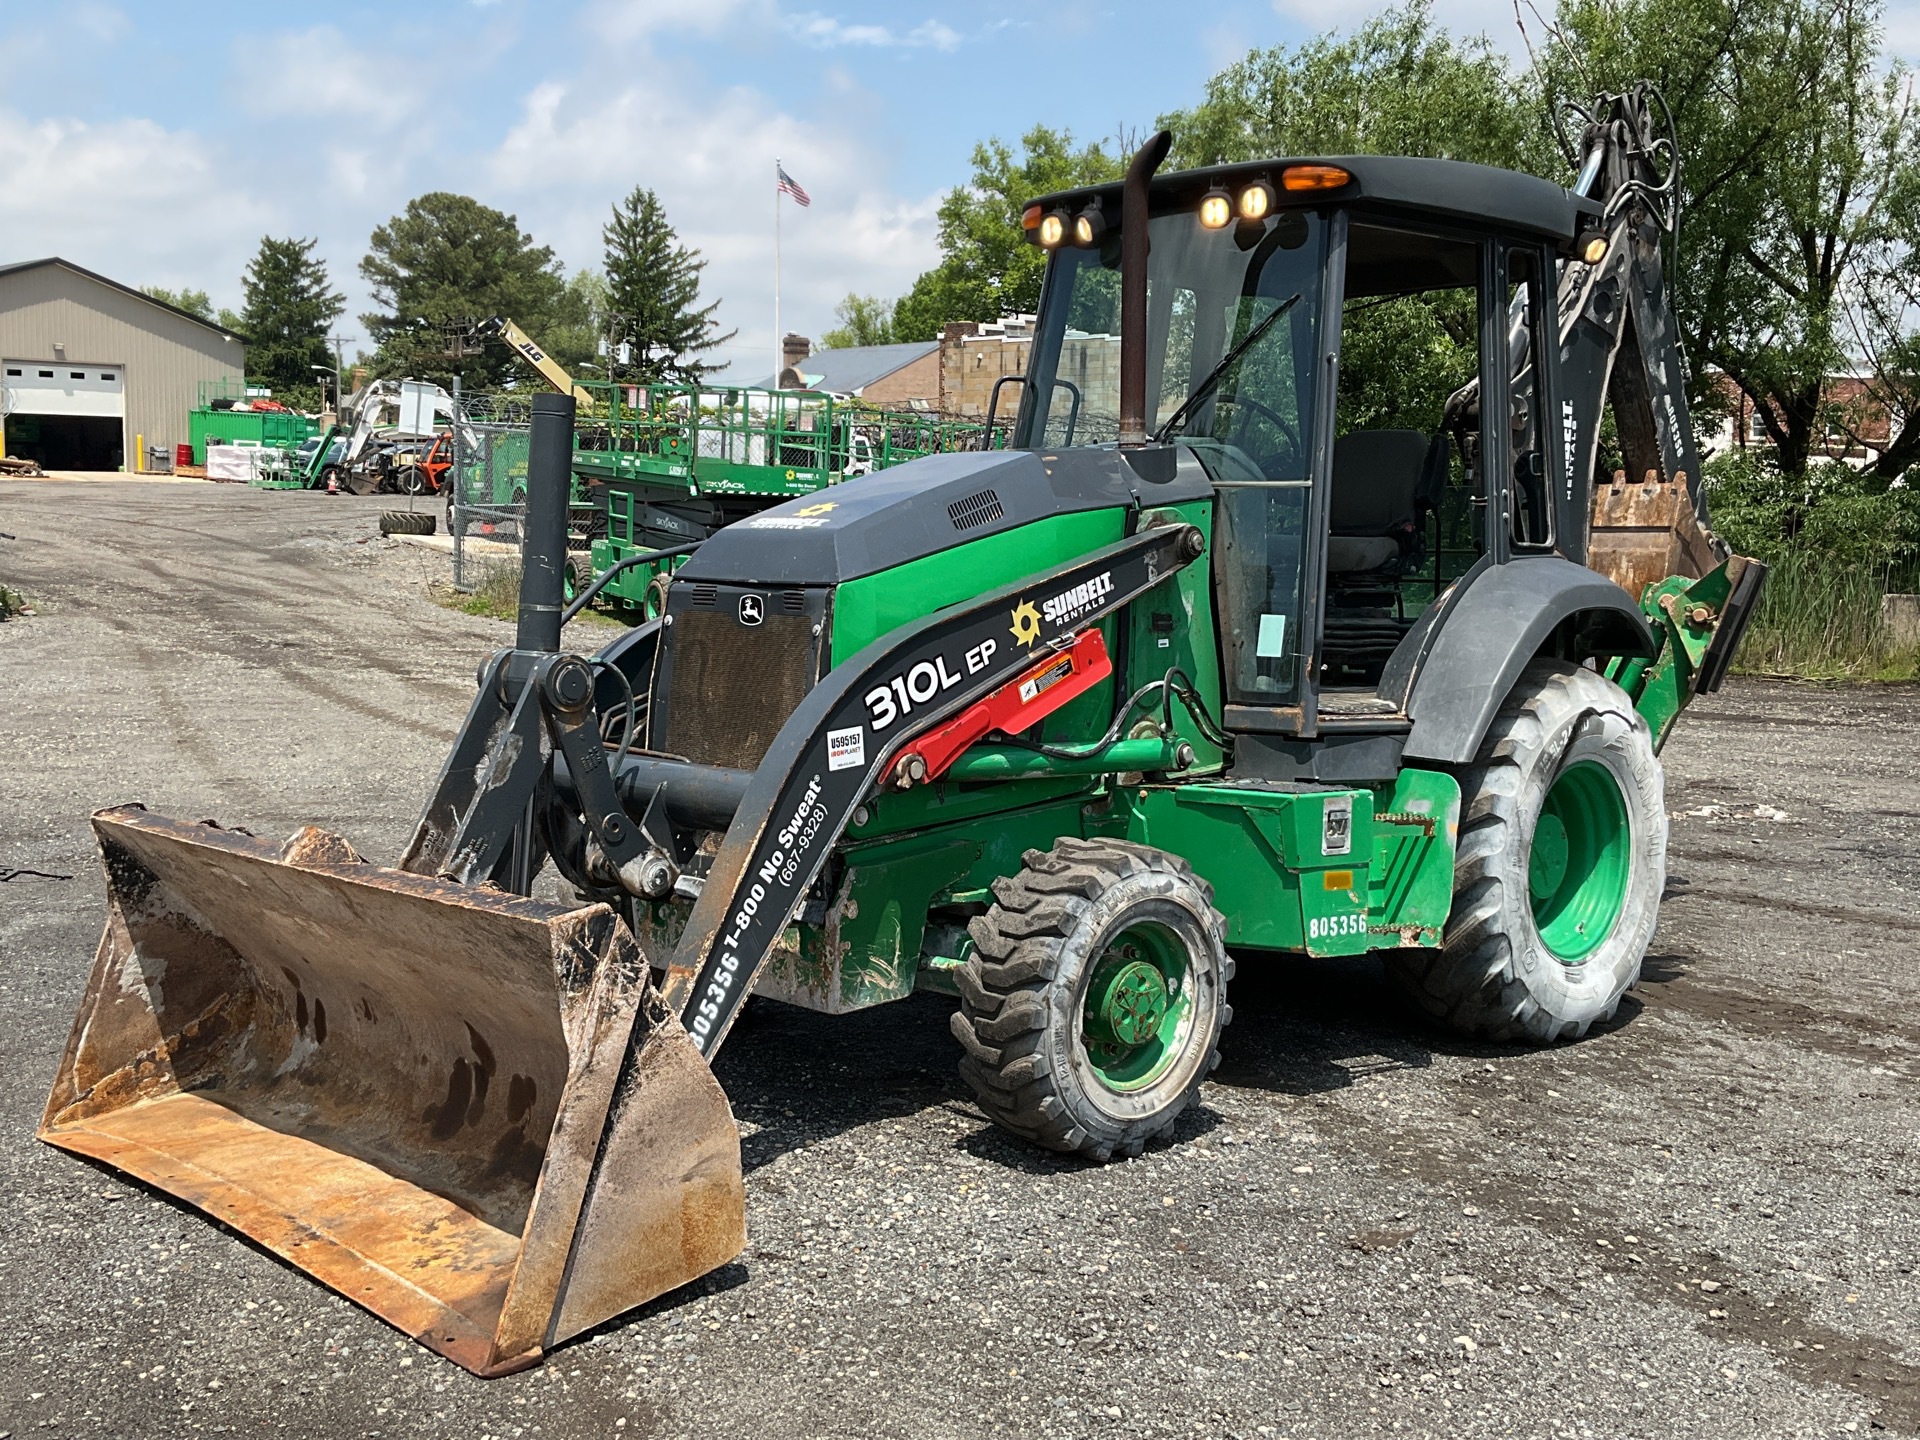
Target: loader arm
{"points": [[825, 760], [839, 741]]}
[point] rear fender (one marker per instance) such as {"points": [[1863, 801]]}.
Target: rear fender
{"points": [[1451, 674]]}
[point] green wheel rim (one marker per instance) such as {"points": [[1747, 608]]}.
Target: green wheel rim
{"points": [[1139, 1008], [568, 590], [1579, 861]]}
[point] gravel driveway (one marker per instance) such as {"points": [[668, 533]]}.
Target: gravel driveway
{"points": [[1700, 1222]]}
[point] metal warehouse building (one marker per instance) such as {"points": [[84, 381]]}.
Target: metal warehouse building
{"points": [[90, 368]]}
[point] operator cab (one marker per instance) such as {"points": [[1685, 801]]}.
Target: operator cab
{"points": [[1324, 338]]}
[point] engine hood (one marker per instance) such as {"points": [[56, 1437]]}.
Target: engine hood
{"points": [[877, 521]]}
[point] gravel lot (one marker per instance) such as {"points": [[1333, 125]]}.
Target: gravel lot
{"points": [[1700, 1222]]}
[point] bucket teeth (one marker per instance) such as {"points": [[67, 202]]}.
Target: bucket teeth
{"points": [[467, 1111]]}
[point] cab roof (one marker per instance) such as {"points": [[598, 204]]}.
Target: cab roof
{"points": [[1449, 190]]}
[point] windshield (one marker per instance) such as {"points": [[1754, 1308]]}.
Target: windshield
{"points": [[1254, 289], [1207, 292]]}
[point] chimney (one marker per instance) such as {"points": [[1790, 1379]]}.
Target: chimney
{"points": [[794, 350]]}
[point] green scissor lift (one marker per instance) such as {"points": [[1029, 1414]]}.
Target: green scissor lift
{"points": [[675, 463]]}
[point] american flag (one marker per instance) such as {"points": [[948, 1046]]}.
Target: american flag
{"points": [[791, 186]]}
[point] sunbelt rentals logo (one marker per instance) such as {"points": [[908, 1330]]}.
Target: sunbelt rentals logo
{"points": [[1070, 605]]}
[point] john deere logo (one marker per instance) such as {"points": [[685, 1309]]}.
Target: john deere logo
{"points": [[1026, 623], [752, 609], [822, 508]]}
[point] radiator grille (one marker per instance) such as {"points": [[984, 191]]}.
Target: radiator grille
{"points": [[734, 685], [975, 510]]}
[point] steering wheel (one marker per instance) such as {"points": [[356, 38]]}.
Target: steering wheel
{"points": [[1266, 461]]}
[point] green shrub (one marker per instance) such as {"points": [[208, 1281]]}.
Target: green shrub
{"points": [[1835, 542]]}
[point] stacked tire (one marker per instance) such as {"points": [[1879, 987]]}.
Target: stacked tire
{"points": [[407, 522]]}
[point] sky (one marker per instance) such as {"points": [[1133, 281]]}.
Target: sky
{"points": [[157, 142]]}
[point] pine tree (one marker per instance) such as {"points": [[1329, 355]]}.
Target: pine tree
{"points": [[289, 304], [653, 285], [440, 267]]}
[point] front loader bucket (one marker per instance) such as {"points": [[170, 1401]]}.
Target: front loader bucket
{"points": [[469, 1112]]}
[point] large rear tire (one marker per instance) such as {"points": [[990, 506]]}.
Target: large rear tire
{"points": [[1092, 1005], [1562, 860]]}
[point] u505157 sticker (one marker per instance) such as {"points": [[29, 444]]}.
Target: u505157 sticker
{"points": [[847, 748]]}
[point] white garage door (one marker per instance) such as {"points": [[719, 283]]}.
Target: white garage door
{"points": [[43, 387]]}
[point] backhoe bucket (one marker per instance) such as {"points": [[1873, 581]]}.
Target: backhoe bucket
{"points": [[1642, 533], [469, 1112]]}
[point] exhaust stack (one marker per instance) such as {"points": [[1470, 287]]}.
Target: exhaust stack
{"points": [[1134, 213]]}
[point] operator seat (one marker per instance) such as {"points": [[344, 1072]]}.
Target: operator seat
{"points": [[1379, 480]]}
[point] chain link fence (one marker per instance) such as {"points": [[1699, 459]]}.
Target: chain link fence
{"points": [[487, 491]]}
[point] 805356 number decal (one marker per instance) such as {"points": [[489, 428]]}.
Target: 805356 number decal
{"points": [[1327, 927]]}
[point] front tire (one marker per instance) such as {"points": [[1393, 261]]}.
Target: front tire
{"points": [[1562, 860], [1091, 1008]]}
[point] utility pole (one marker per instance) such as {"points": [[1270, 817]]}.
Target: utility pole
{"points": [[339, 391]]}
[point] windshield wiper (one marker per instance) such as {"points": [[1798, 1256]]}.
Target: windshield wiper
{"points": [[1213, 376]]}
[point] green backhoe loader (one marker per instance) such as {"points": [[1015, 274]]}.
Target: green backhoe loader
{"points": [[1245, 650]]}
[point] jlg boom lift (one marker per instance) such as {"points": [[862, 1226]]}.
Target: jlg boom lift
{"points": [[1205, 671]]}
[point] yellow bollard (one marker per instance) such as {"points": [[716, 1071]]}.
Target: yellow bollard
{"points": [[139, 454]]}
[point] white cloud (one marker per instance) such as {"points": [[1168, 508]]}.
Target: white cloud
{"points": [[581, 145], [1901, 21], [625, 22], [827, 32], [1492, 18], [1223, 44], [103, 23], [138, 203], [318, 73], [150, 204]]}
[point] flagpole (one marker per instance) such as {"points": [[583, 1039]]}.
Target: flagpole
{"points": [[779, 353]]}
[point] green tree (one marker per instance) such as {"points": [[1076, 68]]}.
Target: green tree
{"points": [[1396, 86], [653, 295], [577, 334], [1798, 164], [194, 302], [864, 320], [987, 269], [441, 266], [290, 304]]}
